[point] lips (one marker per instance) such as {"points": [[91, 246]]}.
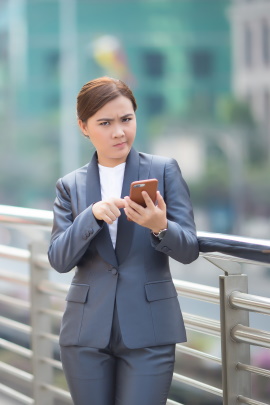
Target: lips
{"points": [[119, 144]]}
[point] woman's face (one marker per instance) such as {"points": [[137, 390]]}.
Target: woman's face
{"points": [[112, 131]]}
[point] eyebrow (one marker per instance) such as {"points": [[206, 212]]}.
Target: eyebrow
{"points": [[111, 119]]}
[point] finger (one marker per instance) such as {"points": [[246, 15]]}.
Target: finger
{"points": [[160, 201], [148, 201], [107, 219], [133, 205], [119, 202], [109, 211], [131, 213], [114, 210]]}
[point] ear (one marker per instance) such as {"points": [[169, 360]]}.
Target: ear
{"points": [[83, 127]]}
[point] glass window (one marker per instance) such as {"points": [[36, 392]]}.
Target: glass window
{"points": [[52, 59], [155, 103], [153, 63], [248, 45], [266, 42], [201, 63], [266, 103]]}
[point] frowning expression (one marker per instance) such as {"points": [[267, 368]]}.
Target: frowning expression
{"points": [[112, 131]]}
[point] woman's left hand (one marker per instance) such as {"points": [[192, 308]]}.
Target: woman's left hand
{"points": [[152, 216]]}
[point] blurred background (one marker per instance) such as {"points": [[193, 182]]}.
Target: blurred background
{"points": [[200, 71]]}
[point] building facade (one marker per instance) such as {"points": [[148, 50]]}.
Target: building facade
{"points": [[250, 37], [174, 55]]}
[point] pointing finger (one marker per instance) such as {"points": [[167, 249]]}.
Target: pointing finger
{"points": [[119, 202]]}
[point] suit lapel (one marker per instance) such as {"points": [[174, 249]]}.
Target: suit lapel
{"points": [[93, 194], [135, 170]]}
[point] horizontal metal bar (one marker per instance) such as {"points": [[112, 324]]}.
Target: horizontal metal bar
{"points": [[25, 216], [16, 395], [198, 384], [13, 277], [250, 302], [55, 363], [57, 289], [15, 325], [202, 324], [14, 348], [245, 334], [15, 372], [180, 348], [171, 402], [197, 291], [52, 312], [13, 253], [58, 392], [243, 400], [50, 336], [29, 216], [16, 302], [42, 261], [254, 370], [235, 238]]}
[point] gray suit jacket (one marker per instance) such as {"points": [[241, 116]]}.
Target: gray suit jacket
{"points": [[136, 274]]}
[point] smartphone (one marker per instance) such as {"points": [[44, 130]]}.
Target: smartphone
{"points": [[136, 188]]}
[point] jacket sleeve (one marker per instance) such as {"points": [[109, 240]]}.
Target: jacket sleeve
{"points": [[180, 241], [70, 237]]}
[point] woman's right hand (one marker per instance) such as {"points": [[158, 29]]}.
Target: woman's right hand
{"points": [[108, 210]]}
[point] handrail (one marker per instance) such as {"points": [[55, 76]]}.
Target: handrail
{"points": [[250, 302], [25, 216], [219, 249], [20, 327], [15, 372], [197, 384], [8, 252], [254, 370], [197, 291], [16, 302], [202, 324], [197, 353], [14, 277], [245, 334], [28, 216], [243, 248], [23, 399], [243, 400], [13, 347]]}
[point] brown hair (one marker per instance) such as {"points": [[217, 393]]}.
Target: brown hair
{"points": [[98, 92]]}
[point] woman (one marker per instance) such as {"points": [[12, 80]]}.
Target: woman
{"points": [[122, 318]]}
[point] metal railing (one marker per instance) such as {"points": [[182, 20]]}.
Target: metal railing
{"points": [[40, 385]]}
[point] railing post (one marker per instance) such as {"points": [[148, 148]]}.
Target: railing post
{"points": [[41, 323], [235, 382]]}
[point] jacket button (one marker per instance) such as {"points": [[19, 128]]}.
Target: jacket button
{"points": [[114, 272]]}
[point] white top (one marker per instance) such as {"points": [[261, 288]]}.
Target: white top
{"points": [[111, 181]]}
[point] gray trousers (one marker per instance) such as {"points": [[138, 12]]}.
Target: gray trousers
{"points": [[118, 375]]}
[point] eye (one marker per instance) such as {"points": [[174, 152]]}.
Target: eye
{"points": [[126, 119], [104, 123]]}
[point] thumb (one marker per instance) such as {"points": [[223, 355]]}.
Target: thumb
{"points": [[160, 202]]}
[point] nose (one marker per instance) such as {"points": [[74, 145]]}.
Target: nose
{"points": [[118, 132]]}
